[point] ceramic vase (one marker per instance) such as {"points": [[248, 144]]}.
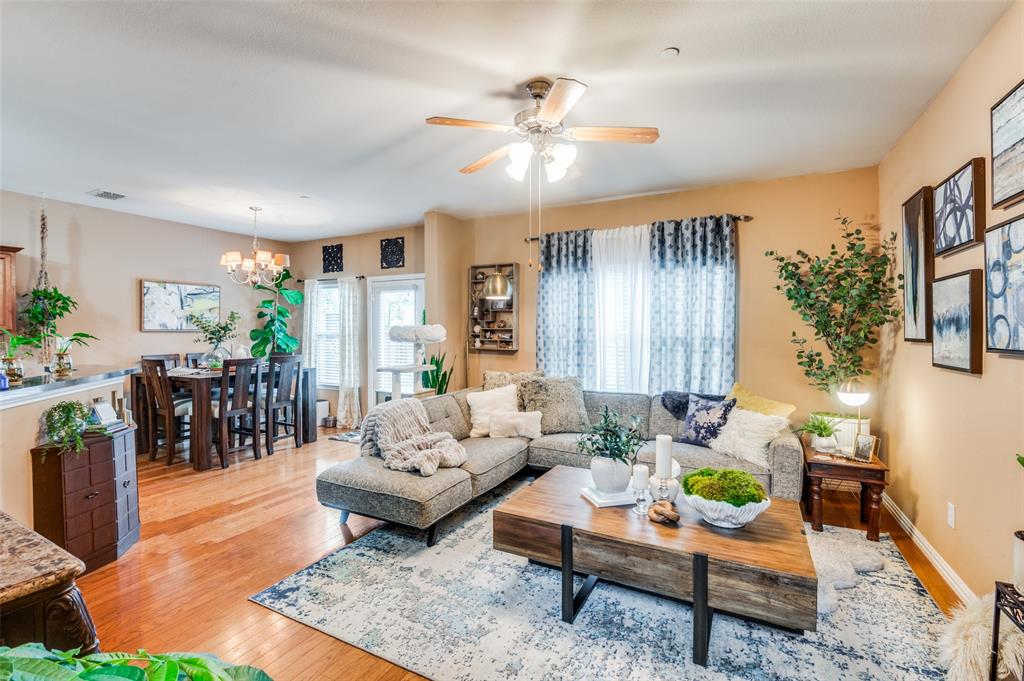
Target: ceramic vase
{"points": [[825, 445], [609, 475]]}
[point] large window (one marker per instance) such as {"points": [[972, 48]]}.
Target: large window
{"points": [[328, 329], [393, 302]]}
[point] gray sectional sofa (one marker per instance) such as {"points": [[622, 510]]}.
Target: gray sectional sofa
{"points": [[364, 486]]}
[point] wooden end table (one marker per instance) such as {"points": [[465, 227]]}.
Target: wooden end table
{"points": [[763, 571], [870, 474]]}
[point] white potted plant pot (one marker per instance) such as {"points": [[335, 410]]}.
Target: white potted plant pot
{"points": [[825, 445], [609, 475]]}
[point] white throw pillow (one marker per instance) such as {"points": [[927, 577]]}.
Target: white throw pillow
{"points": [[516, 424], [484, 404], [746, 435]]}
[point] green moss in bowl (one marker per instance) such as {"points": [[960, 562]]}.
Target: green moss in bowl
{"points": [[734, 487]]}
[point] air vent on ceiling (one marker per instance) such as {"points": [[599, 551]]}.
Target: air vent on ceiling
{"points": [[104, 194]]}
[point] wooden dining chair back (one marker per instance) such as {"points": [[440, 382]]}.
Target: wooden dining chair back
{"points": [[283, 403], [164, 409], [192, 359], [170, 360], [237, 409]]}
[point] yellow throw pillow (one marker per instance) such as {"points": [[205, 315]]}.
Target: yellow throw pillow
{"points": [[746, 399]]}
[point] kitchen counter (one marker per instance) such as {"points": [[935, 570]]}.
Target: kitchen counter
{"points": [[35, 388]]}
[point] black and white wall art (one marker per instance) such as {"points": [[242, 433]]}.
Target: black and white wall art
{"points": [[958, 222], [1008, 148], [334, 258], [1004, 287], [392, 253], [918, 266], [956, 321]]}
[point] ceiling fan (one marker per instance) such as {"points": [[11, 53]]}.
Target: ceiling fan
{"points": [[540, 126]]}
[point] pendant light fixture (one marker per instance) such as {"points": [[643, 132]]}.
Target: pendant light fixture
{"points": [[260, 267]]}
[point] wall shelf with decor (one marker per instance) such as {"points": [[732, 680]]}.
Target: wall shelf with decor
{"points": [[493, 324]]}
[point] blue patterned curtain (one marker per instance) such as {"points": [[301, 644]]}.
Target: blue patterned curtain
{"points": [[566, 323], [693, 305]]}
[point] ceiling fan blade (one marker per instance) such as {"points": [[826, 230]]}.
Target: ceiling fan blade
{"points": [[562, 97], [603, 133], [485, 161], [466, 123]]}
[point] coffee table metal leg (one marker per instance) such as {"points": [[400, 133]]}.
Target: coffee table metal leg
{"points": [[572, 602], [702, 614]]}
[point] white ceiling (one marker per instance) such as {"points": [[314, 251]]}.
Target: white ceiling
{"points": [[196, 110]]}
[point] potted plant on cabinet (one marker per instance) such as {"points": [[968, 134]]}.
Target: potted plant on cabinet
{"points": [[612, 448], [844, 297], [63, 425], [725, 497], [16, 347]]}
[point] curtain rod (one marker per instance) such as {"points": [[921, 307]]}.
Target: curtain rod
{"points": [[358, 276], [738, 218]]}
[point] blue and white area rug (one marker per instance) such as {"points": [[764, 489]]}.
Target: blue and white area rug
{"points": [[461, 611]]}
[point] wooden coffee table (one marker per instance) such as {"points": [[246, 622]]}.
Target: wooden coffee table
{"points": [[763, 571]]}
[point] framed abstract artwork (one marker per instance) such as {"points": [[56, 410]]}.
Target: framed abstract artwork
{"points": [[918, 266], [334, 258], [392, 253], [1008, 148], [956, 322], [958, 222], [166, 306], [1004, 287]]}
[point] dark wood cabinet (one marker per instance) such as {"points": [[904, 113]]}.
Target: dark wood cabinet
{"points": [[88, 503]]}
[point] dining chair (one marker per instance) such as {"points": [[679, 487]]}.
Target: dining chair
{"points": [[171, 360], [164, 408], [282, 401], [192, 359], [236, 412]]}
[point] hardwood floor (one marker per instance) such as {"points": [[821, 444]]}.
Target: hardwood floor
{"points": [[212, 539]]}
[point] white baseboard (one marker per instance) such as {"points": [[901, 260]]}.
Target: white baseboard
{"points": [[945, 569]]}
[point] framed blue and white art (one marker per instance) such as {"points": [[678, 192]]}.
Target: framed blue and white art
{"points": [[956, 321], [918, 266], [1008, 148], [958, 222], [1004, 287]]}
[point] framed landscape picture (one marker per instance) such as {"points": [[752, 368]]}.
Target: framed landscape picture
{"points": [[956, 322], [1004, 287], [918, 266], [166, 306], [1008, 148], [958, 222]]}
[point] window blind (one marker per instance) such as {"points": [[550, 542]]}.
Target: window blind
{"points": [[328, 329]]}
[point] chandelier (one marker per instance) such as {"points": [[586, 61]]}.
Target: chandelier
{"points": [[557, 158], [261, 267]]}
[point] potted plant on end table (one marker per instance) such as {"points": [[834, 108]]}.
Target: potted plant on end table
{"points": [[612, 448], [822, 430]]}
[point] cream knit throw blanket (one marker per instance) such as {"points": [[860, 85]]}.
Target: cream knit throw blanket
{"points": [[399, 432]]}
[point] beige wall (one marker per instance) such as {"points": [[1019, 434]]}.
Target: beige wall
{"points": [[448, 244], [949, 436], [99, 257], [361, 256], [788, 214]]}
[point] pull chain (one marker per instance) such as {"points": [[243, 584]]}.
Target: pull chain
{"points": [[540, 219], [529, 212]]}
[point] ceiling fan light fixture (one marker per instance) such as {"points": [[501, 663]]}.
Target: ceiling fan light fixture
{"points": [[563, 154], [554, 171], [517, 171]]}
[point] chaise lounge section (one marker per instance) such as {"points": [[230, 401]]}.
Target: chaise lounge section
{"points": [[364, 486]]}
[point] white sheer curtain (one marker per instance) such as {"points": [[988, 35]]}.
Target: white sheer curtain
{"points": [[309, 323], [622, 284], [350, 308]]}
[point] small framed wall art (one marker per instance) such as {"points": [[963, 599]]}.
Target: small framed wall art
{"points": [[958, 222], [334, 258], [1008, 148], [956, 321], [392, 253], [866, 448], [918, 266], [167, 306], [1004, 287]]}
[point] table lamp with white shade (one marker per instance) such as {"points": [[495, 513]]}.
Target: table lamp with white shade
{"points": [[852, 393]]}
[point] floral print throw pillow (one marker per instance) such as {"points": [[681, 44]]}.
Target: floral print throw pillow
{"points": [[705, 419]]}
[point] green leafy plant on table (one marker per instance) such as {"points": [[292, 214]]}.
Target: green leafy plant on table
{"points": [[273, 336], [609, 439], [33, 662], [64, 343], [213, 332], [844, 297], [46, 306], [734, 487], [64, 423], [16, 345], [820, 425]]}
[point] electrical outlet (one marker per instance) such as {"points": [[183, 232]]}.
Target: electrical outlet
{"points": [[950, 514]]}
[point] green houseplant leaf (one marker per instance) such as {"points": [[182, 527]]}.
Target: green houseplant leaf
{"points": [[273, 336], [610, 439]]}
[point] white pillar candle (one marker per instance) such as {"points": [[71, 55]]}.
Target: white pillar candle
{"points": [[663, 457], [641, 474], [1018, 559]]}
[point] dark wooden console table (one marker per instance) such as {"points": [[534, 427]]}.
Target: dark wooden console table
{"points": [[38, 596], [870, 474]]}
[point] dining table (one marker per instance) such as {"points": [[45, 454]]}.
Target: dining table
{"points": [[200, 382]]}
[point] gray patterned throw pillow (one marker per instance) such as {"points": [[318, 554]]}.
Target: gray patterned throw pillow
{"points": [[499, 379], [560, 402], [705, 420]]}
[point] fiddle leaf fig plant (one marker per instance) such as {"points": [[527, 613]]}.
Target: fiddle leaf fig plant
{"points": [[274, 336], [844, 297]]}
